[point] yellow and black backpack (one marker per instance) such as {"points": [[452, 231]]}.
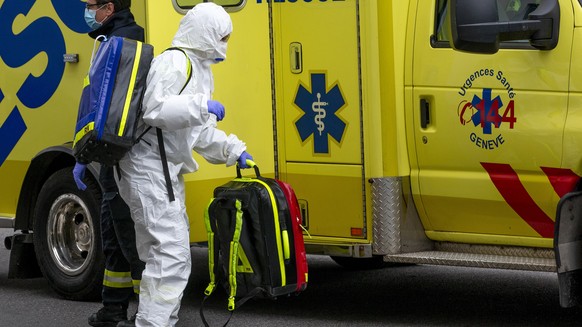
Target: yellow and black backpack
{"points": [[111, 101], [255, 240]]}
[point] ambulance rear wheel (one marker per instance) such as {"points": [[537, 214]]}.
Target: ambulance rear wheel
{"points": [[67, 236]]}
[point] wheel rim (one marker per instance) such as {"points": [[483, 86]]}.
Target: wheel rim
{"points": [[70, 234]]}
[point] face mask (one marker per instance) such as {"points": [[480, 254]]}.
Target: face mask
{"points": [[90, 18], [220, 53]]}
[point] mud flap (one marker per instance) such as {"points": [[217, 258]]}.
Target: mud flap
{"points": [[23, 263], [568, 249]]}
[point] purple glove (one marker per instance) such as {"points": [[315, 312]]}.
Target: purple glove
{"points": [[79, 174], [242, 160], [216, 108]]}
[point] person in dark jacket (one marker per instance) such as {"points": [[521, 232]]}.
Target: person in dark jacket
{"points": [[112, 18], [123, 269]]}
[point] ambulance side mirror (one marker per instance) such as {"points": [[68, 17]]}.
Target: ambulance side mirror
{"points": [[477, 27]]}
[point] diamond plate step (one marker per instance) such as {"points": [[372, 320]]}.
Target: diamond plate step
{"points": [[481, 256]]}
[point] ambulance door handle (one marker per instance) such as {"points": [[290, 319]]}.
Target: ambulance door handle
{"points": [[296, 57], [424, 113]]}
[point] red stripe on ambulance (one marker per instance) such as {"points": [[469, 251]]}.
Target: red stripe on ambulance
{"points": [[508, 184], [563, 180]]}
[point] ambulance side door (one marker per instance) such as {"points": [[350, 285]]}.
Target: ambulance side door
{"points": [[488, 130], [319, 114]]}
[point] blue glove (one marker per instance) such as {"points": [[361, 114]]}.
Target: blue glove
{"points": [[216, 108], [79, 174], [242, 160]]}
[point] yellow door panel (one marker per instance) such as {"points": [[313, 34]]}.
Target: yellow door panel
{"points": [[332, 192], [488, 134], [319, 112], [321, 100], [573, 132]]}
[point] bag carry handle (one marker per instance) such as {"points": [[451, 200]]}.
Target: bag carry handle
{"points": [[250, 163], [98, 38]]}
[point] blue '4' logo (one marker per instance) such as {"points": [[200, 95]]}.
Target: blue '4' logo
{"points": [[319, 118]]}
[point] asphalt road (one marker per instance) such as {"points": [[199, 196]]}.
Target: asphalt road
{"points": [[403, 296]]}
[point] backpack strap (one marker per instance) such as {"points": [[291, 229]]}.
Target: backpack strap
{"points": [[188, 78], [213, 257], [189, 69], [161, 136], [214, 229], [165, 164], [233, 254], [212, 250]]}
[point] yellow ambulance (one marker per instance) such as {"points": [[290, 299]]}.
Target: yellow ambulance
{"points": [[413, 131]]}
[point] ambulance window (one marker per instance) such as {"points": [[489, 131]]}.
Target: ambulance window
{"points": [[514, 10], [182, 6], [509, 10], [442, 27]]}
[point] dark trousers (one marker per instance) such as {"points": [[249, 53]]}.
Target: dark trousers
{"points": [[123, 269]]}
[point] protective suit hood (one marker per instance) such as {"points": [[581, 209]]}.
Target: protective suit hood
{"points": [[201, 32]]}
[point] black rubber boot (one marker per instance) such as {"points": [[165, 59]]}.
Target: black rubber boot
{"points": [[128, 323], [108, 316]]}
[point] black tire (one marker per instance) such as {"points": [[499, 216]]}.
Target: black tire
{"points": [[67, 236], [351, 263]]}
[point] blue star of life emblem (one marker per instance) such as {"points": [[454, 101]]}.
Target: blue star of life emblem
{"points": [[487, 111], [319, 113]]}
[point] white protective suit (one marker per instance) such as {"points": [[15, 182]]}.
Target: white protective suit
{"points": [[162, 228]]}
